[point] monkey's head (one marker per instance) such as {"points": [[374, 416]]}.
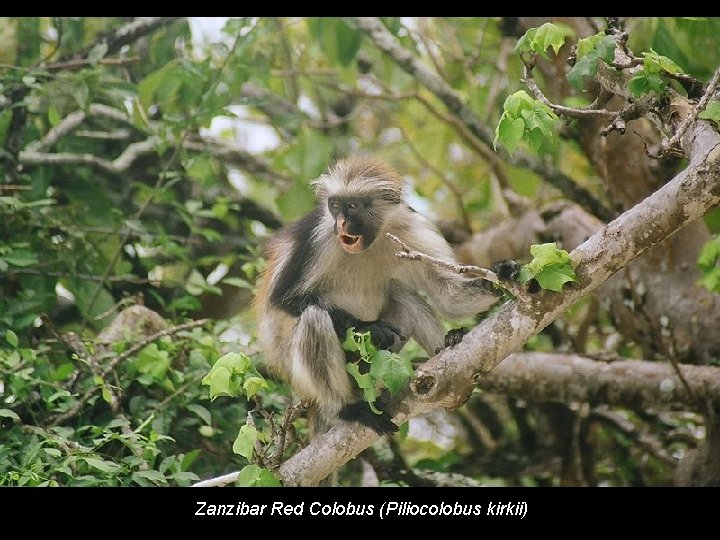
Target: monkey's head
{"points": [[359, 194]]}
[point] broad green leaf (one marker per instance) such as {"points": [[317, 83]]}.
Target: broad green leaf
{"points": [[394, 370], [553, 277], [219, 382], [655, 63], [509, 132], [540, 39], [589, 51], [11, 338], [245, 441]]}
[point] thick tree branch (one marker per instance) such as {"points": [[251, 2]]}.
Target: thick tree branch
{"points": [[387, 43], [572, 378], [448, 378], [635, 384]]}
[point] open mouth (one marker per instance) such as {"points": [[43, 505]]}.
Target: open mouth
{"points": [[350, 243]]}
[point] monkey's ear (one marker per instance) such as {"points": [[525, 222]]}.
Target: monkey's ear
{"points": [[320, 186]]}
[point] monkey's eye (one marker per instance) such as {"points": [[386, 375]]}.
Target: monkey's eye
{"points": [[352, 205], [333, 205]]}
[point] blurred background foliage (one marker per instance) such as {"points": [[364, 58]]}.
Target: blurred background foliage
{"points": [[145, 160]]}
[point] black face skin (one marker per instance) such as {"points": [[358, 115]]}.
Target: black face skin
{"points": [[354, 225]]}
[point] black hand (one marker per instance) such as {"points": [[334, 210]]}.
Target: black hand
{"points": [[360, 412], [384, 335], [506, 270]]}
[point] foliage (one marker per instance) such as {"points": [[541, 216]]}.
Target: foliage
{"points": [[385, 369], [525, 119], [550, 266]]}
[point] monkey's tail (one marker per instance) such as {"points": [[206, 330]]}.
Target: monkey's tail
{"points": [[319, 424]]}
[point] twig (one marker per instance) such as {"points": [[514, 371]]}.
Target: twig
{"points": [[667, 145], [570, 112], [516, 289], [291, 413], [413, 255]]}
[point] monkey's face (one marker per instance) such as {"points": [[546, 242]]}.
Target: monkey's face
{"points": [[355, 225]]}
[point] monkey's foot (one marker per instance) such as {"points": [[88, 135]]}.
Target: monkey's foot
{"points": [[360, 412], [453, 337]]}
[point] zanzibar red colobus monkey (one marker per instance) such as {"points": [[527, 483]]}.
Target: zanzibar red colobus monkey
{"points": [[336, 268]]}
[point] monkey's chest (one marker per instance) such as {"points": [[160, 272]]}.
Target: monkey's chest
{"points": [[359, 299]]}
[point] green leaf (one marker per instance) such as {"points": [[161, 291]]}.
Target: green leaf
{"points": [[253, 385], [21, 257], [547, 36], [11, 338], [509, 132], [152, 361], [553, 277], [7, 413], [101, 465], [53, 115], [226, 376], [245, 441], [712, 111], [366, 383], [590, 50], [551, 266], [5, 120], [156, 477], [201, 411], [394, 370], [655, 63], [255, 476], [219, 382], [643, 83]]}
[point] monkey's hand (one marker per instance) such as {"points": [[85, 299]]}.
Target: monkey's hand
{"points": [[384, 335], [507, 270], [359, 411]]}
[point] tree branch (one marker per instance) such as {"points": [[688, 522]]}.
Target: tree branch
{"points": [[571, 378], [387, 43], [448, 378]]}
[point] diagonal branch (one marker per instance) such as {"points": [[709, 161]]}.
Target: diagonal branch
{"points": [[448, 378], [387, 43]]}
